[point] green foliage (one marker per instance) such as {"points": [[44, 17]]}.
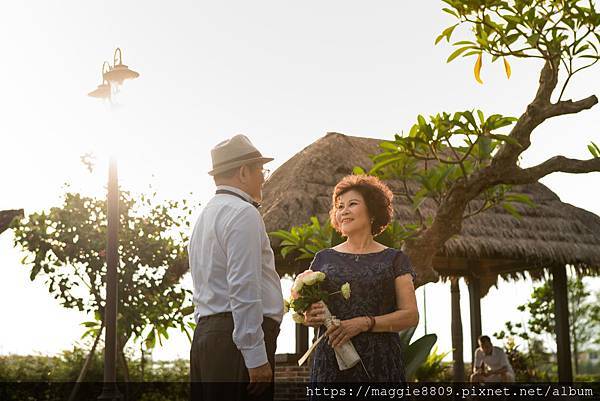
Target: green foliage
{"points": [[594, 378], [65, 249], [396, 233], [584, 313], [447, 149], [584, 318], [594, 149], [303, 242], [558, 31], [433, 369], [461, 143], [415, 354], [308, 239], [66, 365], [527, 28], [64, 368], [535, 365]]}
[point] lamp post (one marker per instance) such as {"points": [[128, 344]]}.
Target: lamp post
{"points": [[112, 77]]}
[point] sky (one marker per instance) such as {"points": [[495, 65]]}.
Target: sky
{"points": [[283, 73]]}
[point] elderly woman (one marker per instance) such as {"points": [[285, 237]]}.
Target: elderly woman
{"points": [[383, 296]]}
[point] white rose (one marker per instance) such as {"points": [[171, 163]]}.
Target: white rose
{"points": [[298, 284], [310, 278]]}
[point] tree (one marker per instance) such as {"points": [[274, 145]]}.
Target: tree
{"points": [[459, 160], [7, 216], [584, 317], [65, 247]]}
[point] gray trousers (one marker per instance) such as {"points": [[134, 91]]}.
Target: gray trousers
{"points": [[217, 368]]}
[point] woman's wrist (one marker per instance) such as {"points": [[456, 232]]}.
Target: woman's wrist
{"points": [[370, 323], [367, 324]]}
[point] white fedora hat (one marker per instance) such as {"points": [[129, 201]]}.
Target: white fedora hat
{"points": [[233, 153]]}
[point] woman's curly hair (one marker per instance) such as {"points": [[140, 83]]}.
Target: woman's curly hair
{"points": [[378, 199]]}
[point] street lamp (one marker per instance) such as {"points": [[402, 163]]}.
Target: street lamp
{"points": [[119, 72], [112, 77], [103, 91]]}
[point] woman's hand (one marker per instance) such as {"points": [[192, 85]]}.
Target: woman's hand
{"points": [[339, 335], [315, 315]]}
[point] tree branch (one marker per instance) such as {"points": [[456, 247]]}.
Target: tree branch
{"points": [[570, 107], [552, 165], [484, 206], [537, 112], [548, 82]]}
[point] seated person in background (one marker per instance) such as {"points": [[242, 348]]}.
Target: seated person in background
{"points": [[491, 363]]}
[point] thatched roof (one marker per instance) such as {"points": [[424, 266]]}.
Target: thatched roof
{"points": [[492, 243], [7, 216]]}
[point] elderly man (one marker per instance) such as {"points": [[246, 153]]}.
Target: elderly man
{"points": [[237, 292], [491, 363]]}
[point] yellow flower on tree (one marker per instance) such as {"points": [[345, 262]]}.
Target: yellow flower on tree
{"points": [[506, 67], [477, 69]]}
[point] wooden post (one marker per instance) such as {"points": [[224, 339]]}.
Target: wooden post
{"points": [[301, 339], [458, 366], [561, 327], [475, 306]]}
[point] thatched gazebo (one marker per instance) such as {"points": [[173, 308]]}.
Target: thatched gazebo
{"points": [[7, 216], [494, 243]]}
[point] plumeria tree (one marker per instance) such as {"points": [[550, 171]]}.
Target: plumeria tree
{"points": [[460, 160], [466, 162]]}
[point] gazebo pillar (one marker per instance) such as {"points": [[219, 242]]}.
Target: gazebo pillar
{"points": [[301, 339], [475, 307], [458, 366], [561, 326]]}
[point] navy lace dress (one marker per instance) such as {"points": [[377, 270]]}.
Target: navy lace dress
{"points": [[371, 277]]}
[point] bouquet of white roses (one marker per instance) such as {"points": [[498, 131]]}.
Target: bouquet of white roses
{"points": [[306, 291]]}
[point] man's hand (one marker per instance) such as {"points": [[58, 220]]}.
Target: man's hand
{"points": [[260, 379], [315, 315], [500, 371]]}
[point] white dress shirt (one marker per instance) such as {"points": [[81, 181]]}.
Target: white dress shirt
{"points": [[496, 360], [233, 270]]}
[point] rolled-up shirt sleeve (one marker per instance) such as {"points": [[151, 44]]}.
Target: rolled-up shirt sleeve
{"points": [[478, 360], [244, 272]]}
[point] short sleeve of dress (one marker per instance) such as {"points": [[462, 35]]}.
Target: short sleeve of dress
{"points": [[402, 265]]}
